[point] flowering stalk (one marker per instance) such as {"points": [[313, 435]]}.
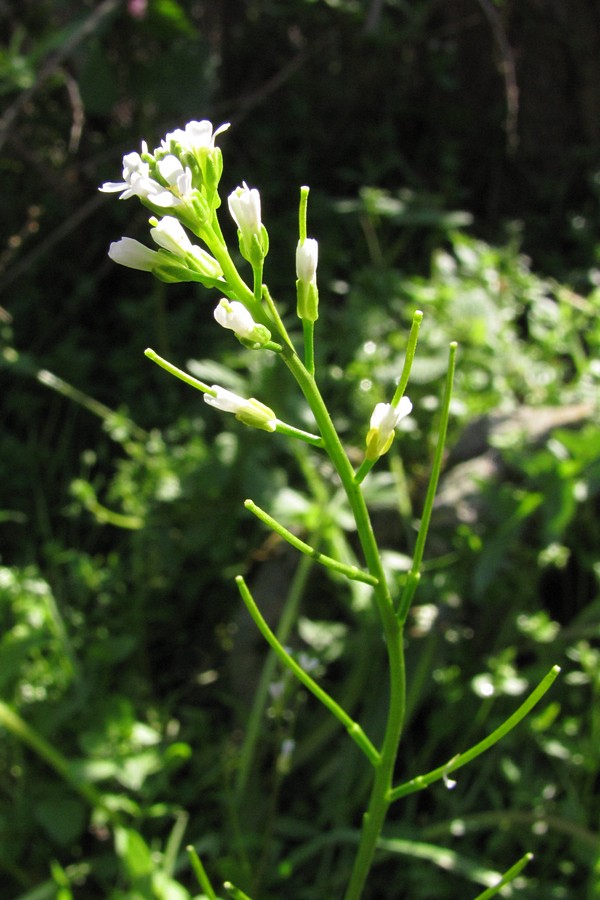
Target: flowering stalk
{"points": [[182, 176]]}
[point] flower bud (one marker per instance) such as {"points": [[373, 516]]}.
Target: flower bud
{"points": [[131, 253], [233, 315], [244, 206], [168, 233], [307, 255]]}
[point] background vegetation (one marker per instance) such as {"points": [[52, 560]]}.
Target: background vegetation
{"points": [[452, 149]]}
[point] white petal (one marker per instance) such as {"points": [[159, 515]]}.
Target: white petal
{"points": [[162, 198], [244, 206], [404, 408], [307, 256], [234, 315], [129, 252], [207, 263], [225, 400], [169, 234], [112, 186], [170, 168]]}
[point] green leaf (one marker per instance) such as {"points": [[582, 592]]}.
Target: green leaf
{"points": [[134, 853]]}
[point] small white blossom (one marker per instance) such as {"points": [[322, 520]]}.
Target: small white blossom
{"points": [[244, 206], [169, 234], [205, 263], [250, 412], [233, 315], [384, 419], [179, 180], [135, 170], [307, 256], [138, 182], [225, 400], [129, 252], [194, 136]]}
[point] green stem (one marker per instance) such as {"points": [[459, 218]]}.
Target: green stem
{"points": [[508, 876], [379, 798], [367, 464], [25, 733], [410, 355], [49, 379], [352, 572], [235, 892], [276, 317], [423, 781], [233, 278], [364, 469], [178, 373], [308, 329], [352, 727], [257, 272], [302, 209], [308, 438], [413, 577], [255, 719], [200, 873]]}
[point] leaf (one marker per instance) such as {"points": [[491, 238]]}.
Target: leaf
{"points": [[134, 852]]}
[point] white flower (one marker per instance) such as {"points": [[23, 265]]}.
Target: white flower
{"points": [[384, 419], [129, 252], [138, 182], [169, 234], [134, 170], [194, 136], [307, 256], [136, 178], [233, 315], [205, 263], [250, 412], [178, 178], [244, 206]]}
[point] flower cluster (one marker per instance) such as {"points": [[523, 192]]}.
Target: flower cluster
{"points": [[182, 172], [179, 183]]}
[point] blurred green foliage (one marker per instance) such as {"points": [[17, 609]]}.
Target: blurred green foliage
{"points": [[122, 645]]}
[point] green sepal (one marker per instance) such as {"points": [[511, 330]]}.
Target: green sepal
{"points": [[307, 295]]}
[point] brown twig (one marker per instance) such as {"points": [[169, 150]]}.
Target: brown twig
{"points": [[509, 73], [54, 61]]}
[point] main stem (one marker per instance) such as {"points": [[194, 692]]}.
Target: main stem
{"points": [[379, 800]]}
